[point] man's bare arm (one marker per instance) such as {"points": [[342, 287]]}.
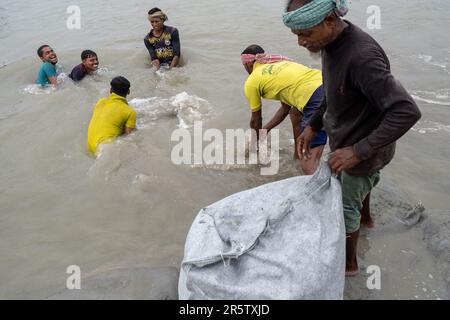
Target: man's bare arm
{"points": [[281, 114], [53, 81], [175, 62]]}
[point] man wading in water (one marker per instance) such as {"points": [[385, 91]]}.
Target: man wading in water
{"points": [[297, 87], [47, 73], [163, 42], [112, 116], [365, 109]]}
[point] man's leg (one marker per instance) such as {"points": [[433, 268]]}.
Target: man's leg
{"points": [[351, 251], [309, 166], [366, 218], [354, 192], [296, 119], [318, 144]]}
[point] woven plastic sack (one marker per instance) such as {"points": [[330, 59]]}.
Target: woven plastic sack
{"points": [[282, 240]]}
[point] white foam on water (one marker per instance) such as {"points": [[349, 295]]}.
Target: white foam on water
{"points": [[430, 60], [187, 108], [62, 77], [101, 71], [439, 97], [427, 126], [171, 76], [162, 72], [431, 101], [38, 89]]}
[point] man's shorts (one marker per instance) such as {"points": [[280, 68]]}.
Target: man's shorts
{"points": [[354, 191], [311, 107]]}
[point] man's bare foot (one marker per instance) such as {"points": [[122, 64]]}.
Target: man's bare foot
{"points": [[351, 260], [351, 264]]}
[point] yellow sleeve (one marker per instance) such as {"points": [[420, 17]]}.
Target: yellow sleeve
{"points": [[253, 97], [131, 122]]}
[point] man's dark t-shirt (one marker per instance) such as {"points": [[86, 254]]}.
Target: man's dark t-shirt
{"points": [[78, 73], [165, 47], [364, 106]]}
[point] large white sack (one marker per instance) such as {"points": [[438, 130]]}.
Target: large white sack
{"points": [[283, 240]]}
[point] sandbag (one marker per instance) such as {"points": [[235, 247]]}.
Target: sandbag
{"points": [[283, 240]]}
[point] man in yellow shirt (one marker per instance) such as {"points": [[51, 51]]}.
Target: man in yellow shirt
{"points": [[112, 116], [297, 87]]}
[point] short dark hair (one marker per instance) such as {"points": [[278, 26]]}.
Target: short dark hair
{"points": [[253, 49], [88, 54], [120, 86], [153, 10], [40, 50]]}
